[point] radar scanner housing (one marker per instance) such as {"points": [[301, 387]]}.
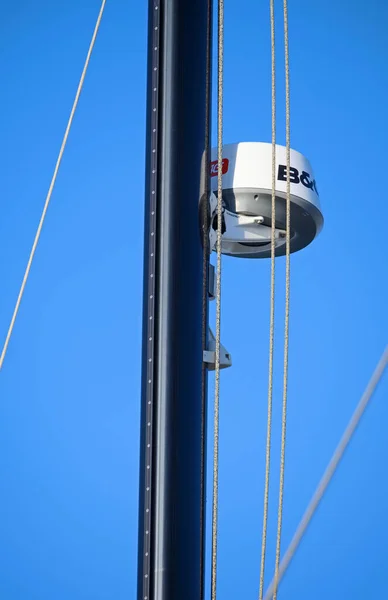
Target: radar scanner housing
{"points": [[247, 192]]}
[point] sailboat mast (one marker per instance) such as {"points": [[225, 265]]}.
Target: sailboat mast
{"points": [[173, 400]]}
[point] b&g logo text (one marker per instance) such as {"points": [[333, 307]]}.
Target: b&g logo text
{"points": [[304, 178]]}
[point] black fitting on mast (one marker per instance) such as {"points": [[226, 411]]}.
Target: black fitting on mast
{"points": [[174, 378]]}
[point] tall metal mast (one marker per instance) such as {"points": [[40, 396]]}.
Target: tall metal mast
{"points": [[173, 414]]}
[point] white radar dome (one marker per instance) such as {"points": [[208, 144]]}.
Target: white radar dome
{"points": [[247, 197]]}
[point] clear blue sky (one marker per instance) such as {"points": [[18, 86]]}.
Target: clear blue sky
{"points": [[69, 408]]}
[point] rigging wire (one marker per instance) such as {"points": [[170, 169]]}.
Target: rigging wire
{"points": [[272, 309], [287, 303], [330, 470], [49, 193], [218, 296]]}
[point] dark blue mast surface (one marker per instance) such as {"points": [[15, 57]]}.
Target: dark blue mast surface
{"points": [[173, 414]]}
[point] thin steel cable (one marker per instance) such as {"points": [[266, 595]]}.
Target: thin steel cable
{"points": [[272, 311], [287, 306], [218, 296], [331, 469], [53, 180]]}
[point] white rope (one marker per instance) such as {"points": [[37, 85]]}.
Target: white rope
{"points": [[53, 180], [330, 470], [218, 298], [272, 311], [287, 307]]}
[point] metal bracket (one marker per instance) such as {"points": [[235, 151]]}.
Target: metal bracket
{"points": [[212, 282], [239, 228], [209, 355]]}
